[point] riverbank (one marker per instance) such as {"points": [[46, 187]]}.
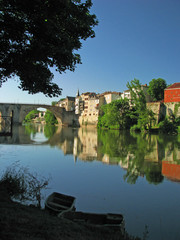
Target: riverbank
{"points": [[20, 222]]}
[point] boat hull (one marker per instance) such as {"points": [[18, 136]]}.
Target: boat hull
{"points": [[109, 220], [58, 202]]}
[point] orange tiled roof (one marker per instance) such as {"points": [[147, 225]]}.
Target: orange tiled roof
{"points": [[175, 85], [109, 92]]}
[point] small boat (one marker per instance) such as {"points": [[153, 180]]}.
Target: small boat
{"points": [[100, 220], [58, 202]]}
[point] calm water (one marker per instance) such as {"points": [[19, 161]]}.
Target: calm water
{"points": [[107, 171]]}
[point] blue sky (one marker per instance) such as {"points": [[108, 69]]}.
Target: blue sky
{"points": [[134, 39]]}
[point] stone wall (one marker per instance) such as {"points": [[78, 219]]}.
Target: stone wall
{"points": [[172, 108], [162, 110], [157, 109]]}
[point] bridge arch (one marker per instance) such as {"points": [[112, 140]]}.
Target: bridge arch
{"points": [[21, 110], [25, 111]]}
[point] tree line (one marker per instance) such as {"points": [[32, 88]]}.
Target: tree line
{"points": [[133, 113]]}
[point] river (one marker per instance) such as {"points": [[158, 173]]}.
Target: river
{"points": [[107, 171]]}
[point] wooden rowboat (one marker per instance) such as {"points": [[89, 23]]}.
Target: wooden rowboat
{"points": [[111, 220], [58, 202]]}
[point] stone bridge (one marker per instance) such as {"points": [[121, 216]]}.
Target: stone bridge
{"points": [[19, 111]]}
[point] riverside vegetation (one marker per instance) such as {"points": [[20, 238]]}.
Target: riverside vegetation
{"points": [[134, 114]]}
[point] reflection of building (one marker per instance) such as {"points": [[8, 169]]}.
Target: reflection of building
{"points": [[67, 147], [127, 162], [171, 171], [109, 160], [40, 128], [171, 153], [156, 153], [87, 143]]}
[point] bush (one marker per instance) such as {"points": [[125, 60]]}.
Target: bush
{"points": [[167, 126], [31, 115], [50, 118], [22, 185], [135, 128], [177, 121]]}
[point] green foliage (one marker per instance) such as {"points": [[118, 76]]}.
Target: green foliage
{"points": [[31, 115], [49, 131], [146, 118], [38, 35], [136, 128], [176, 107], [113, 143], [30, 129], [22, 185], [54, 103], [50, 118], [156, 89], [153, 174], [137, 95], [177, 121], [168, 126], [116, 114], [138, 100], [130, 150]]}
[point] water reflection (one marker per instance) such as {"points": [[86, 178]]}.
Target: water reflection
{"points": [[102, 160], [149, 156]]}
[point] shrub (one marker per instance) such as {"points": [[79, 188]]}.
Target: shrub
{"points": [[22, 185], [167, 126], [135, 128]]}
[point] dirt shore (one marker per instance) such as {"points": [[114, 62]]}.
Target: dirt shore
{"points": [[20, 222]]}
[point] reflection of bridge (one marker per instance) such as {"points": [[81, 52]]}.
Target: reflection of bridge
{"points": [[19, 111]]}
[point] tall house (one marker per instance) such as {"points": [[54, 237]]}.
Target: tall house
{"points": [[144, 88], [68, 103], [110, 96], [81, 102], [126, 94], [172, 93], [88, 105]]}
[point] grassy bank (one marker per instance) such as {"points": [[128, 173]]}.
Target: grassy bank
{"points": [[20, 222]]}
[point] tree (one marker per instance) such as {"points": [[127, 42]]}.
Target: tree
{"points": [[117, 113], [38, 35], [31, 115], [50, 118], [137, 95], [23, 185], [54, 103], [156, 89], [138, 100]]}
